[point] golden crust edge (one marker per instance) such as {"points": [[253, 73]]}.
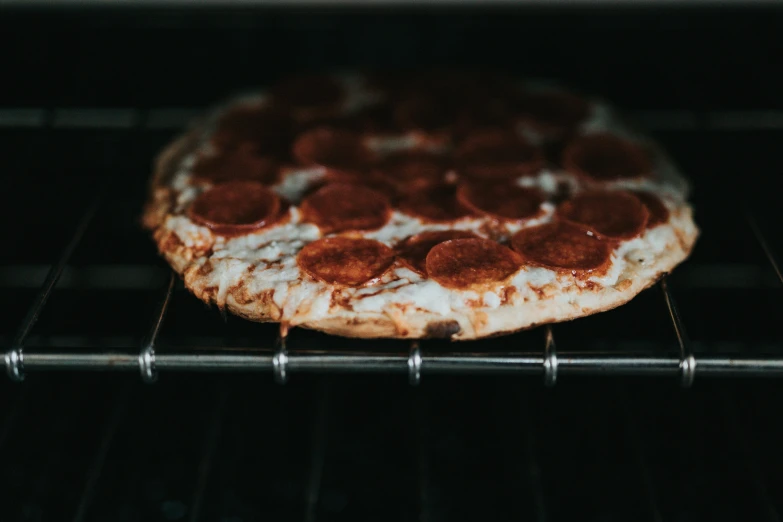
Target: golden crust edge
{"points": [[423, 325]]}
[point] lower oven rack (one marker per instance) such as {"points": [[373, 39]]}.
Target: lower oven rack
{"points": [[282, 360]]}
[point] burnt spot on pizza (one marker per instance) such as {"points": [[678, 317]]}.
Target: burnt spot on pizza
{"points": [[538, 290], [209, 295], [507, 294], [592, 286], [170, 242], [623, 285], [241, 294], [442, 329], [340, 299], [205, 269]]}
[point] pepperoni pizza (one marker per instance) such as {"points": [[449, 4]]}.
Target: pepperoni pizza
{"points": [[436, 204]]}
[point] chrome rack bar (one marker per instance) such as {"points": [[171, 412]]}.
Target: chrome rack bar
{"points": [[687, 360], [490, 363], [14, 357], [146, 357]]}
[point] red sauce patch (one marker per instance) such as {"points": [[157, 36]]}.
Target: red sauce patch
{"points": [[463, 263], [497, 154], [340, 206], [345, 261], [267, 131], [236, 207], [239, 163], [435, 205], [605, 157], [552, 113], [503, 201], [610, 214], [562, 246], [332, 148], [413, 250], [659, 214]]}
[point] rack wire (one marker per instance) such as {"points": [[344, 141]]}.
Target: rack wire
{"points": [[283, 360]]}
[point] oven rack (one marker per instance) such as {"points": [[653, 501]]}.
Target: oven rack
{"points": [[415, 360]]}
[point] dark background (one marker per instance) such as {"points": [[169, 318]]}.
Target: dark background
{"points": [[240, 448], [641, 57]]}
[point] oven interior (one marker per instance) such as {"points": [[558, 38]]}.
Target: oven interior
{"points": [[90, 96]]}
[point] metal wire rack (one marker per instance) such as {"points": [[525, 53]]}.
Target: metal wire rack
{"points": [[416, 360]]}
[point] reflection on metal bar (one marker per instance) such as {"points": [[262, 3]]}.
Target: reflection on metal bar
{"points": [[14, 358], [208, 453], [414, 364], [280, 361], [94, 473], [687, 361], [251, 360], [317, 450], [550, 359], [146, 358], [764, 245]]}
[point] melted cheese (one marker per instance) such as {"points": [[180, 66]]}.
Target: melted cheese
{"points": [[265, 261]]}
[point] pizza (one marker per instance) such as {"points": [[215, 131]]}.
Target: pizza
{"points": [[452, 204]]}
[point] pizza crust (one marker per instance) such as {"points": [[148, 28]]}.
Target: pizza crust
{"points": [[457, 325], [193, 261]]}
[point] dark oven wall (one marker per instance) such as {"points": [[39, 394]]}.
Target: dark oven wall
{"points": [[89, 96]]}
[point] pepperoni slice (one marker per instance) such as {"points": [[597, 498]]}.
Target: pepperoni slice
{"points": [[562, 247], [267, 129], [412, 171], [332, 148], [497, 154], [503, 201], [438, 204], [604, 157], [240, 163], [340, 206], [659, 214], [413, 251], [610, 214], [552, 113], [309, 92], [462, 263], [236, 207], [345, 261]]}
